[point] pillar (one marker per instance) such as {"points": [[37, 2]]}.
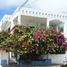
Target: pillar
{"points": [[19, 19], [12, 24], [65, 29], [47, 24], [57, 28]]}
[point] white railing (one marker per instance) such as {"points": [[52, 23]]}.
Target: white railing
{"points": [[34, 12]]}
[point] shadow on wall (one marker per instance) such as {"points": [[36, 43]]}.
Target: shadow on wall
{"points": [[4, 63]]}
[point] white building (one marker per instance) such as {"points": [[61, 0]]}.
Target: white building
{"points": [[5, 24], [30, 16], [36, 17]]}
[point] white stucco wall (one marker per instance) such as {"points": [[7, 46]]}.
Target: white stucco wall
{"points": [[57, 58], [4, 57]]}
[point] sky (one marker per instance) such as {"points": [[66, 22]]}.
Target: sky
{"points": [[9, 6]]}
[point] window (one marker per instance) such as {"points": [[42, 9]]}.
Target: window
{"points": [[26, 11], [42, 13], [33, 12], [51, 14], [45, 13], [54, 15], [48, 14], [63, 16], [60, 16]]}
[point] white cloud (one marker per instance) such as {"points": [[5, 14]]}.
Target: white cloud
{"points": [[51, 5], [10, 3], [60, 5]]}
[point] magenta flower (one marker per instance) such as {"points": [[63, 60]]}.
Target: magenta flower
{"points": [[65, 45], [36, 35]]}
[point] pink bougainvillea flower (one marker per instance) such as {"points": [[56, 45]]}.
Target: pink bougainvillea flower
{"points": [[65, 44], [36, 35]]}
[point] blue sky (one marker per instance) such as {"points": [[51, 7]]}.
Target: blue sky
{"points": [[8, 6], [6, 11]]}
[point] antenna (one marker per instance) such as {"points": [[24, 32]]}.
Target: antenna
{"points": [[21, 5]]}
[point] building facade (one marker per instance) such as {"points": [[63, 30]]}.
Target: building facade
{"points": [[33, 17], [37, 18]]}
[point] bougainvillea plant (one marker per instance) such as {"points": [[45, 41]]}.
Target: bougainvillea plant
{"points": [[35, 42]]}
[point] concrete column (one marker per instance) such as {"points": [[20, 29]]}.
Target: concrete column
{"points": [[57, 29], [4, 60], [65, 29], [19, 19], [47, 24], [12, 24]]}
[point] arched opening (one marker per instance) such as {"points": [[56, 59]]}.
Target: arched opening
{"points": [[57, 24]]}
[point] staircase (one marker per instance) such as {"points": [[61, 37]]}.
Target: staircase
{"points": [[13, 62]]}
